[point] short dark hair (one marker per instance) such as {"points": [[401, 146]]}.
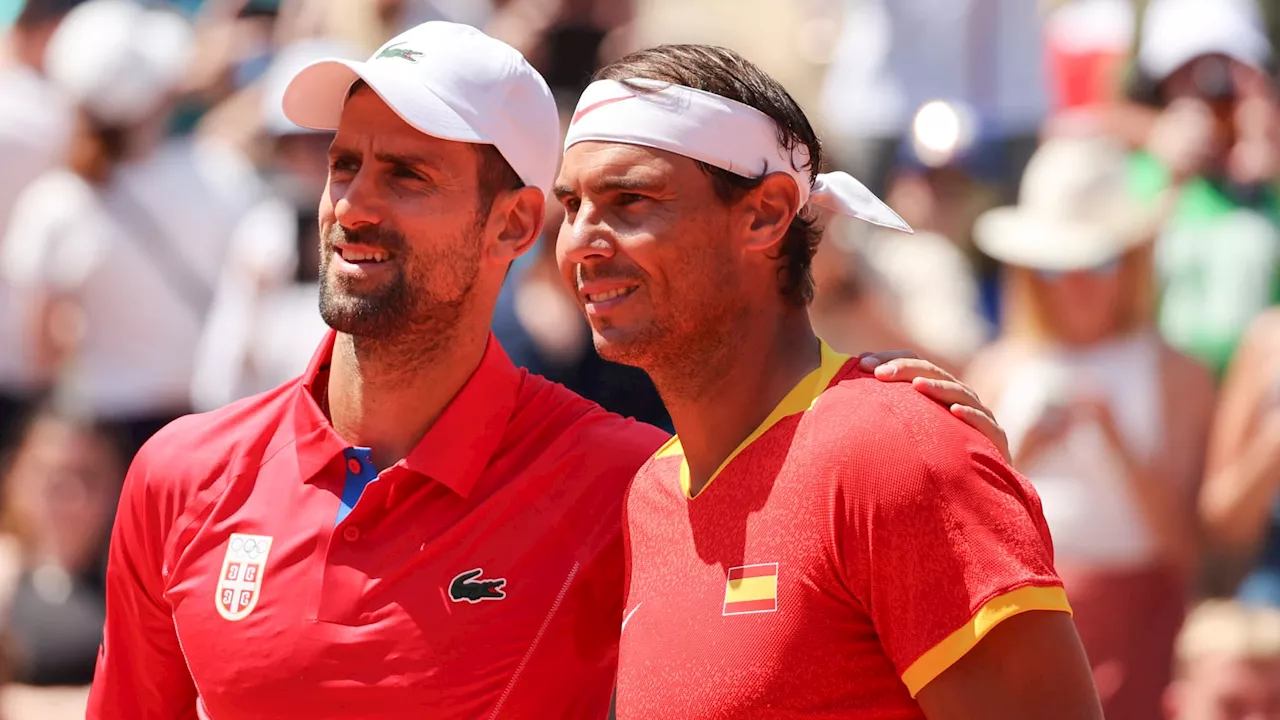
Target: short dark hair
{"points": [[726, 73], [493, 173]]}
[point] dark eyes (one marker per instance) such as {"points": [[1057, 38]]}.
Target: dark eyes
{"points": [[344, 165], [572, 204], [406, 173], [350, 166]]}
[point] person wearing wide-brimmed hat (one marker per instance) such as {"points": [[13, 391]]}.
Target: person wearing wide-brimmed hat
{"points": [[1105, 418]]}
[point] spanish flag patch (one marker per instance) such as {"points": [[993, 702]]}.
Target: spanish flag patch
{"points": [[751, 589]]}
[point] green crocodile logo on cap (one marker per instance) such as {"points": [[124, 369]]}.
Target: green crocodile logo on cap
{"points": [[395, 51]]}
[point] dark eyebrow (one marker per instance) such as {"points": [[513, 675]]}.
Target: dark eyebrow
{"points": [[613, 184], [406, 160]]}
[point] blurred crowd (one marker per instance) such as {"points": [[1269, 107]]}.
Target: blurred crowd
{"points": [[1092, 183]]}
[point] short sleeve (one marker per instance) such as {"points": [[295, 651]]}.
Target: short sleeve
{"points": [[943, 544]]}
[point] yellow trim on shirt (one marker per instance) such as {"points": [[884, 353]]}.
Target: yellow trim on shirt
{"points": [[800, 398], [995, 611]]}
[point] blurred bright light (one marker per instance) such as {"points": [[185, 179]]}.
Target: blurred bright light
{"points": [[940, 131]]}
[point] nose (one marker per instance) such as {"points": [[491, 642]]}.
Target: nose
{"points": [[587, 238], [358, 201]]}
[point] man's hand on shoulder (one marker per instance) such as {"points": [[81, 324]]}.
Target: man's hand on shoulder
{"points": [[940, 386]]}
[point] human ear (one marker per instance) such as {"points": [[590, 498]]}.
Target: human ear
{"points": [[770, 208], [515, 222]]}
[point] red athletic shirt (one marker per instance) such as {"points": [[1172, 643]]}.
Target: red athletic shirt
{"points": [[479, 577], [855, 546]]}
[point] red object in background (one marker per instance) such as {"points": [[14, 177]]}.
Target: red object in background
{"points": [[1082, 78], [1087, 44]]}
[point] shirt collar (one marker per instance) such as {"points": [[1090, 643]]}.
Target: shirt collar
{"points": [[457, 448]]}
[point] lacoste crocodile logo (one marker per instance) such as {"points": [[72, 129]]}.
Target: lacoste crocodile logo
{"points": [[395, 51], [466, 588]]}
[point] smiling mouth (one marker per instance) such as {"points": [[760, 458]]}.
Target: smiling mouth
{"points": [[352, 255], [611, 294]]}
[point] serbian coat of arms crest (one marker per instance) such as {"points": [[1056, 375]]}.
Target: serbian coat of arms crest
{"points": [[240, 583]]}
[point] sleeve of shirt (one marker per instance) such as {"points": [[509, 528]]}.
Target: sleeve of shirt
{"points": [[943, 543], [141, 673]]}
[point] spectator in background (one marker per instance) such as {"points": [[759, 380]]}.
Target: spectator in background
{"points": [[59, 496], [1107, 420], [1228, 665], [927, 279], [566, 40], [122, 249], [1215, 140], [893, 56], [35, 127], [367, 24], [1241, 498], [265, 320]]}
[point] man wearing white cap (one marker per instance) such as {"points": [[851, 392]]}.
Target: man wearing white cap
{"points": [[813, 541], [414, 527], [1215, 140]]}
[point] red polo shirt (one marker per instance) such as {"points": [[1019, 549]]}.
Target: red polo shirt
{"points": [[260, 568]]}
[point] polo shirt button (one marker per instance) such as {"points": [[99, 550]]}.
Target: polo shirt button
{"points": [[353, 466], [351, 533]]}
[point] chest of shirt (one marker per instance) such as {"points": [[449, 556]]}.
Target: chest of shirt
{"points": [[418, 599], [744, 584]]}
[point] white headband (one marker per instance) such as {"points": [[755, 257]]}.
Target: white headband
{"points": [[718, 131]]}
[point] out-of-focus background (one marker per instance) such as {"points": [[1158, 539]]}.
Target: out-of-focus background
{"points": [[1097, 250]]}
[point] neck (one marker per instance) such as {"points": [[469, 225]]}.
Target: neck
{"points": [[385, 395], [741, 384]]}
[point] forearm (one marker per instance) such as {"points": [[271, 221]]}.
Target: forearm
{"points": [[1172, 521], [1237, 500]]}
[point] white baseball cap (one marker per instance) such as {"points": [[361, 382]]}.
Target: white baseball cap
{"points": [[449, 81], [1175, 32], [1075, 210], [117, 59]]}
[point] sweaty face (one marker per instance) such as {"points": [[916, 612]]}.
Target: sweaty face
{"points": [[400, 227], [646, 244]]}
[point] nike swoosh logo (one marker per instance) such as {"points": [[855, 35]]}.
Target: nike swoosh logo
{"points": [[595, 106], [628, 617]]}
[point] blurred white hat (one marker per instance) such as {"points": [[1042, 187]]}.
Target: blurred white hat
{"points": [[117, 59], [1074, 210], [1175, 32], [286, 63], [449, 81]]}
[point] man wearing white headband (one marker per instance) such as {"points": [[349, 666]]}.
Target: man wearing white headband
{"points": [[414, 527], [813, 542]]}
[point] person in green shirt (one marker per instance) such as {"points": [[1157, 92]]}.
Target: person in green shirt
{"points": [[1204, 68]]}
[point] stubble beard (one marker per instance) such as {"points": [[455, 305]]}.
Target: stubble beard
{"points": [[686, 354], [417, 311]]}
